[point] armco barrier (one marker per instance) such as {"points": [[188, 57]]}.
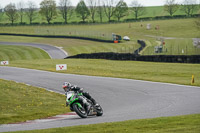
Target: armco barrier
{"points": [[152, 58]]}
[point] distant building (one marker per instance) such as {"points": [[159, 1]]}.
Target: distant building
{"points": [[1, 10]]}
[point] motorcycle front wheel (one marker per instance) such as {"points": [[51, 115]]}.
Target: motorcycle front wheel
{"points": [[99, 111], [80, 111]]}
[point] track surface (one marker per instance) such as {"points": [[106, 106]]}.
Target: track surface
{"points": [[54, 52], [121, 99]]}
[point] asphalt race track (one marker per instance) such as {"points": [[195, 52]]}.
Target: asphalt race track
{"points": [[54, 52], [121, 99]]}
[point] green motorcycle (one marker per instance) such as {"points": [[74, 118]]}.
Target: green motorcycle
{"points": [[79, 106]]}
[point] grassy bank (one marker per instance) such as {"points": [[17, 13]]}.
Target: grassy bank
{"points": [[21, 53], [185, 28], [161, 72], [179, 124], [19, 102]]}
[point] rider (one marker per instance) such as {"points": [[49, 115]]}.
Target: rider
{"points": [[69, 87]]}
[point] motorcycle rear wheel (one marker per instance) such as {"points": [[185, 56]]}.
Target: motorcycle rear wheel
{"points": [[80, 111]]}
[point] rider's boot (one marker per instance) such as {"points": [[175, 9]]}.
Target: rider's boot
{"points": [[94, 102]]}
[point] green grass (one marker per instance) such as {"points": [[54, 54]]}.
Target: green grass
{"points": [[161, 72], [20, 102], [75, 46], [21, 53], [178, 124], [181, 28]]}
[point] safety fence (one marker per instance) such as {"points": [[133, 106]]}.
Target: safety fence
{"points": [[143, 45]]}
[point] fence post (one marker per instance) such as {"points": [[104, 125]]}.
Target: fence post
{"points": [[186, 50], [178, 49], [171, 49]]}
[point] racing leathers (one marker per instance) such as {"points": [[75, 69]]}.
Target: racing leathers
{"points": [[86, 94]]}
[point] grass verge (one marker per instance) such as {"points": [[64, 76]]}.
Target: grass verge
{"points": [[19, 102], [161, 72], [178, 124]]}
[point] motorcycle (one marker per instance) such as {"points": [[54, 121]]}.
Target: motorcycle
{"points": [[77, 105]]}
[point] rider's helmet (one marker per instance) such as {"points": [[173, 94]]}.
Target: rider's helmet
{"points": [[66, 86]]}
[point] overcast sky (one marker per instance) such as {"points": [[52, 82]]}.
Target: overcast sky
{"points": [[3, 3]]}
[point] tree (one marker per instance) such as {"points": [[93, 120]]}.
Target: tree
{"points": [[171, 7], [199, 6], [189, 7], [30, 11], [11, 12], [100, 10], [82, 10], [198, 21], [20, 7], [65, 9], [121, 10], [109, 8], [137, 8], [1, 13], [48, 10], [93, 8]]}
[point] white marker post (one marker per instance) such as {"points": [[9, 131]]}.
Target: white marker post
{"points": [[61, 67], [4, 62]]}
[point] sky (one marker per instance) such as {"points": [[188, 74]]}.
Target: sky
{"points": [[3, 3]]}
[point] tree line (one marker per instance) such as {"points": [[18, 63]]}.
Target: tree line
{"points": [[88, 8]]}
